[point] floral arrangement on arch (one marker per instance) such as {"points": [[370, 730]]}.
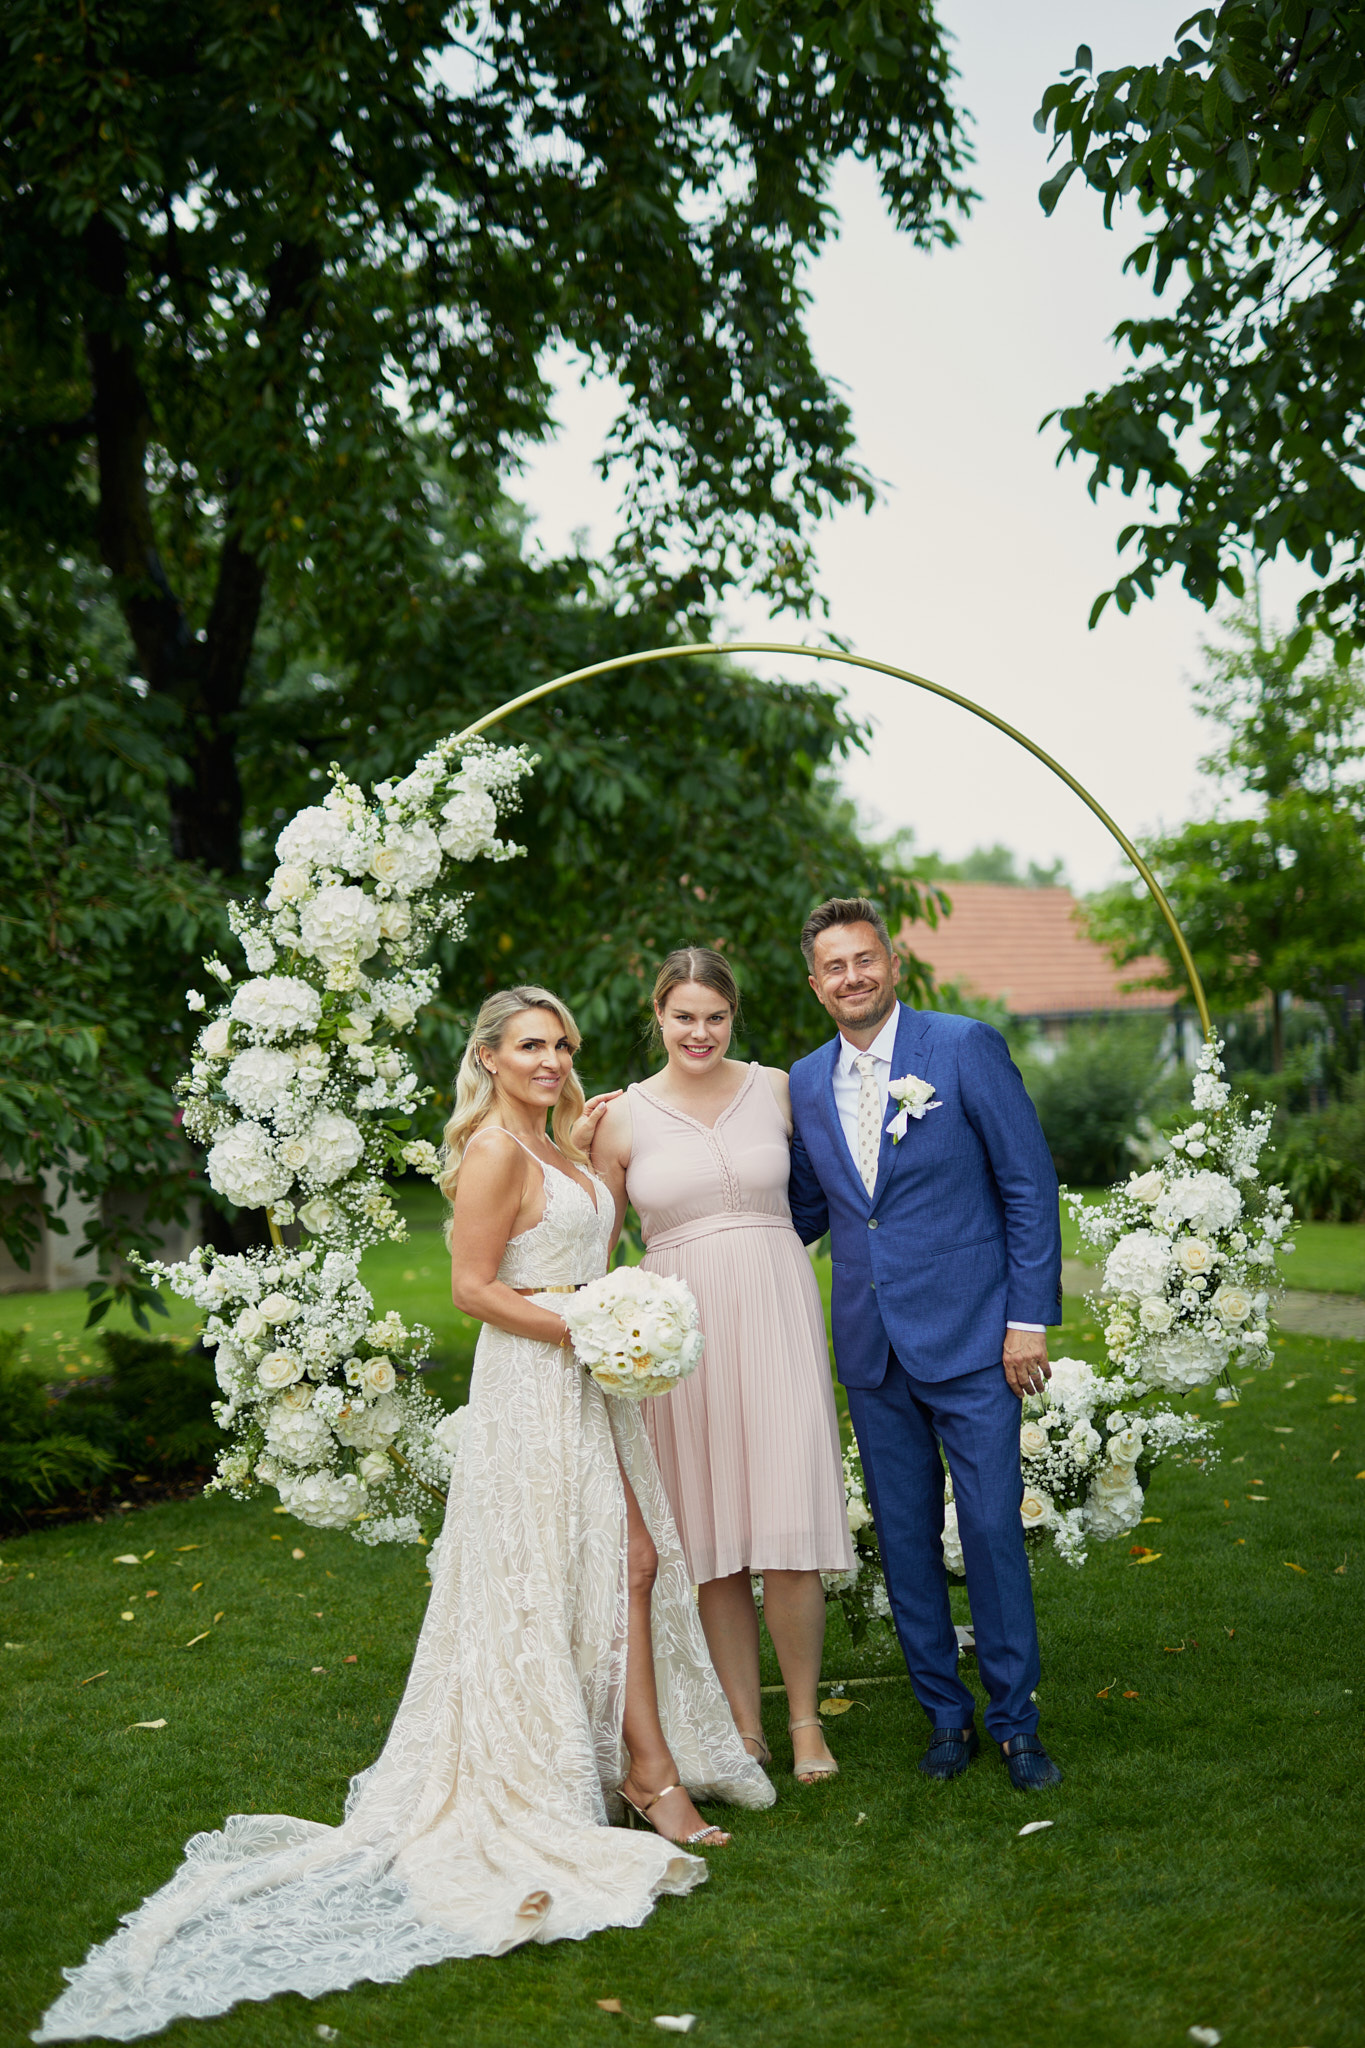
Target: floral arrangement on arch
{"points": [[1188, 1286], [303, 1094]]}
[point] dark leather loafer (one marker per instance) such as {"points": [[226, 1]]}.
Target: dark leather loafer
{"points": [[949, 1753], [1031, 1768]]}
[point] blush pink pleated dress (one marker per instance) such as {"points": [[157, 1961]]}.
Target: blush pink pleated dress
{"points": [[748, 1447]]}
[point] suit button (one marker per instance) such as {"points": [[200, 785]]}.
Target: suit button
{"points": [[872, 1223]]}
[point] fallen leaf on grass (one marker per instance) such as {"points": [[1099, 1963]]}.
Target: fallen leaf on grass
{"points": [[298, 1553], [14, 1646], [1360, 1475], [1150, 1558], [349, 1660], [1282, 1428], [152, 1594], [93, 1676], [675, 2022], [1334, 1400], [1228, 1631], [859, 1821], [1105, 1691], [1335, 1455], [1151, 1518], [196, 1586], [1258, 1496], [319, 1671], [1207, 2037], [326, 2033], [129, 1557], [187, 1546], [279, 1539], [127, 1615], [219, 1615], [1132, 1695], [840, 1706], [1173, 1649], [1032, 1827], [197, 1639], [146, 1554], [1140, 1550], [1301, 1569], [609, 2004], [146, 1724], [279, 1511]]}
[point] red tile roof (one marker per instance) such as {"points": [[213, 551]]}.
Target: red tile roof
{"points": [[1028, 948]]}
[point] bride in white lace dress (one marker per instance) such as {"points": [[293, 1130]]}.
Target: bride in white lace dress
{"points": [[534, 1700]]}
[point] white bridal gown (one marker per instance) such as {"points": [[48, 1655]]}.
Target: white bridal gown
{"points": [[484, 1823]]}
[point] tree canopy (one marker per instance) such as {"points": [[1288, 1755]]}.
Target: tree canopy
{"points": [[248, 247], [1270, 893], [1242, 416]]}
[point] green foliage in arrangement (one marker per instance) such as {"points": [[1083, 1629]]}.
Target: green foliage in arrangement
{"points": [[1103, 1087], [1201, 1868], [99, 928], [1272, 903], [147, 1412], [246, 249], [1241, 417]]}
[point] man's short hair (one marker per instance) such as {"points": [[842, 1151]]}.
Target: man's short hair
{"points": [[841, 910]]}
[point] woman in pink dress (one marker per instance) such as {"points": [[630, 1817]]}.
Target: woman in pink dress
{"points": [[748, 1448]]}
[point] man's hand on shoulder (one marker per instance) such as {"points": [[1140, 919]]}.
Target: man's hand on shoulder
{"points": [[1025, 1361]]}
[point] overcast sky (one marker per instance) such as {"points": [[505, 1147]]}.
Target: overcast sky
{"points": [[979, 566]]}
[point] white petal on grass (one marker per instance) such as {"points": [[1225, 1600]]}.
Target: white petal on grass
{"points": [[327, 2033], [128, 1558], [675, 2022], [1208, 2037], [1031, 1827], [146, 1724]]}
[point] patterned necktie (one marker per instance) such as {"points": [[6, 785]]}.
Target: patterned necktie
{"points": [[869, 1120]]}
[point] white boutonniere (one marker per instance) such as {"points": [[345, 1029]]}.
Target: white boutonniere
{"points": [[916, 1100]]}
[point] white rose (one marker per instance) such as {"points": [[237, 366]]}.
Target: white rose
{"points": [[340, 926], [1114, 1479], [375, 1468], [279, 1369], [1145, 1187], [400, 1013], [1033, 1441], [251, 1325], [395, 922], [449, 1430], [859, 1515], [215, 1040], [277, 1005], [319, 1215], [1156, 1313], [378, 1376], [1138, 1264], [289, 884], [1233, 1304], [1035, 1510], [1125, 1447], [242, 1167], [1193, 1255], [953, 1559], [296, 1398], [279, 1308], [334, 1144]]}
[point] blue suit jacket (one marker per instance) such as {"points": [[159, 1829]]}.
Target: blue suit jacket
{"points": [[962, 1233]]}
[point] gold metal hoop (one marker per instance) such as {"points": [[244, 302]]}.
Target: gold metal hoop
{"points": [[904, 675]]}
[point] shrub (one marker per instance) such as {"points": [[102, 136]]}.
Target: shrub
{"points": [[1092, 1097], [148, 1413], [1321, 1158]]}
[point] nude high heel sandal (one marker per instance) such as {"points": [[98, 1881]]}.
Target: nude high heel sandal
{"points": [[811, 1774], [701, 1838], [765, 1755]]}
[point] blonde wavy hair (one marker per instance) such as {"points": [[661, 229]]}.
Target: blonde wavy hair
{"points": [[475, 1093]]}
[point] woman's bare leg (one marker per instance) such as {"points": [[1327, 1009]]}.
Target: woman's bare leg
{"points": [[651, 1762], [794, 1609], [729, 1622]]}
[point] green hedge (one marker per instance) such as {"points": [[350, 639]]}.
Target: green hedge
{"points": [[1321, 1158], [148, 1412]]}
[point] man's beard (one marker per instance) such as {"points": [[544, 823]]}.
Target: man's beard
{"points": [[864, 1010]]}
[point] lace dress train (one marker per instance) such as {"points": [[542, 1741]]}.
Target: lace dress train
{"points": [[484, 1823]]}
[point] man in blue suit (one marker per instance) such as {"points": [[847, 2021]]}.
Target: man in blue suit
{"points": [[947, 1268]]}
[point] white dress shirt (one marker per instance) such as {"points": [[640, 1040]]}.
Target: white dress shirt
{"points": [[848, 1084]]}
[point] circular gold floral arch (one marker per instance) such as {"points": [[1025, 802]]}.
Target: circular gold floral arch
{"points": [[904, 675]]}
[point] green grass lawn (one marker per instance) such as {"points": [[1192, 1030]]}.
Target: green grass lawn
{"points": [[1202, 1869], [1326, 1256]]}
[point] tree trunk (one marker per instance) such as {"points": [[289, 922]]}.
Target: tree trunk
{"points": [[205, 674]]}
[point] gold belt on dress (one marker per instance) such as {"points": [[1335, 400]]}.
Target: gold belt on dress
{"points": [[573, 1287]]}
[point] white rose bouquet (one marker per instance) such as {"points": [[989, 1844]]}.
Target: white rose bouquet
{"points": [[1190, 1273], [636, 1332]]}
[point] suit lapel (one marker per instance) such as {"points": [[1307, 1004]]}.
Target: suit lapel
{"points": [[912, 1056]]}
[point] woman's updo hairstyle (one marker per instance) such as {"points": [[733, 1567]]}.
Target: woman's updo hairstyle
{"points": [[692, 963]]}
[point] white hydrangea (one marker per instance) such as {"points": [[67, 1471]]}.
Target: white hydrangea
{"points": [[408, 861], [1139, 1264], [449, 1431], [319, 838], [324, 1500], [243, 1169], [340, 926], [334, 1145], [277, 1006], [259, 1079], [372, 1426], [298, 1435], [1184, 1359], [470, 823], [1208, 1202]]}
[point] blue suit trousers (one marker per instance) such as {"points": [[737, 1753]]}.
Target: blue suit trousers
{"points": [[899, 1426]]}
